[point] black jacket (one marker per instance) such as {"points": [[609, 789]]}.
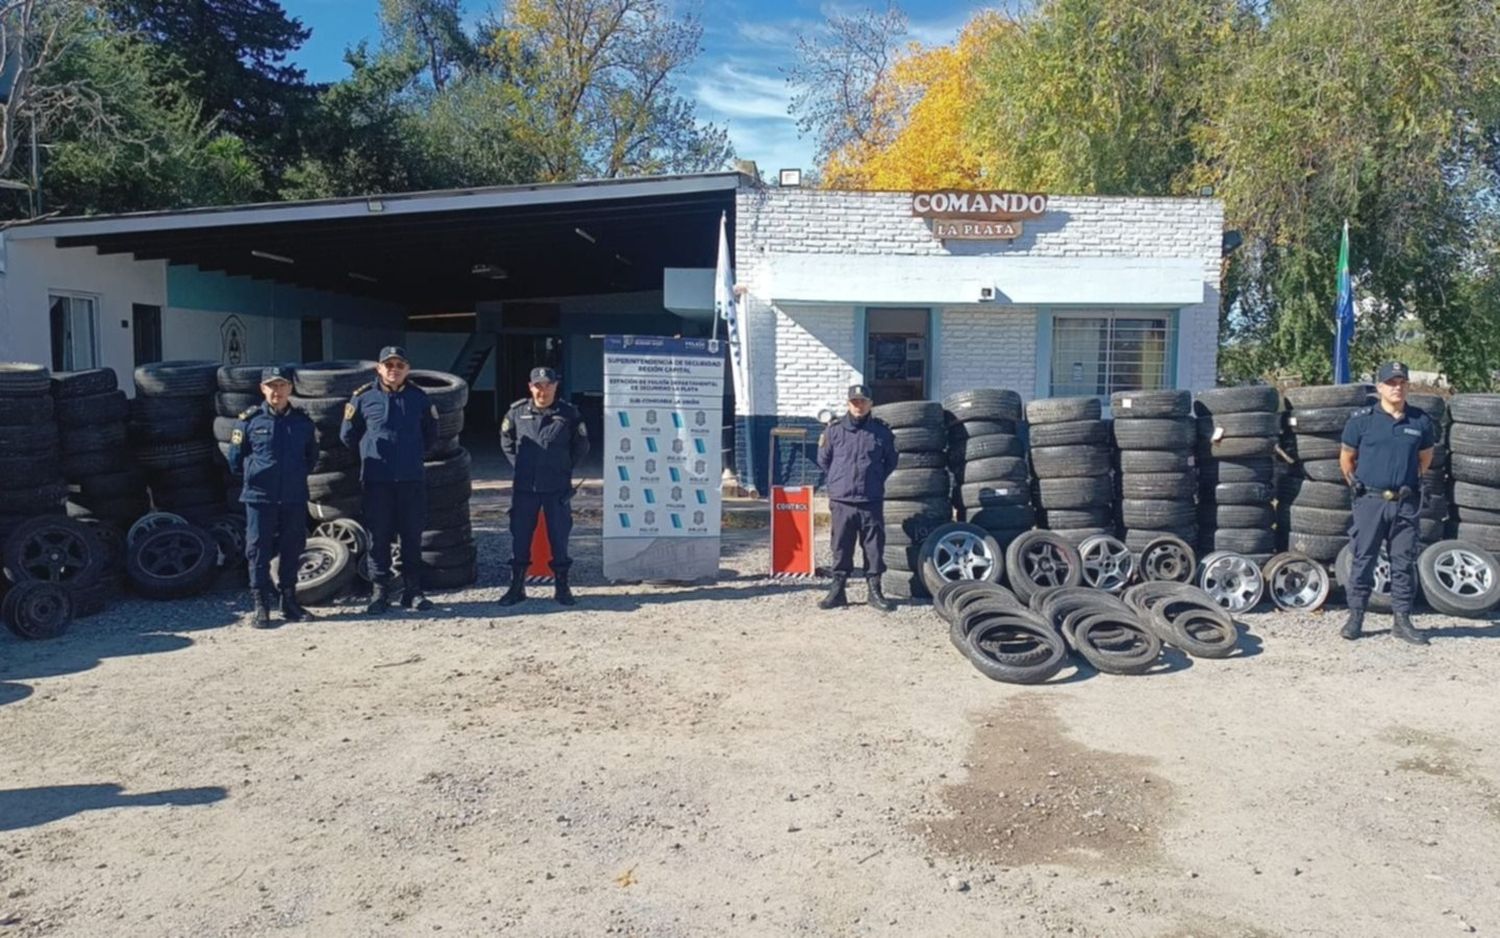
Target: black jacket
{"points": [[856, 458], [390, 430], [544, 446], [273, 453]]}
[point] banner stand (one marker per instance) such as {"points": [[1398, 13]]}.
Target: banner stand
{"points": [[793, 547]]}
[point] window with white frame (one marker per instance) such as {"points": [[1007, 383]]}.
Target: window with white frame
{"points": [[1100, 352], [75, 331]]}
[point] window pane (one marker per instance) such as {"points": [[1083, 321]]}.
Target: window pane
{"points": [[1096, 356], [58, 311], [1079, 357], [85, 323]]}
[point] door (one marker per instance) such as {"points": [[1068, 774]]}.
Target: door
{"points": [[896, 354], [145, 327], [312, 340], [521, 353], [75, 332]]}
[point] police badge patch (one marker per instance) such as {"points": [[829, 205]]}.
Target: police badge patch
{"points": [[349, 411], [434, 412], [237, 437]]}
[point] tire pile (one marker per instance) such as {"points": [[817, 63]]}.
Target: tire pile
{"points": [[104, 484], [1155, 433], [917, 493], [1474, 439], [1238, 430], [450, 558], [171, 425], [1314, 501], [1437, 507], [1071, 459], [991, 478], [31, 481], [321, 389]]}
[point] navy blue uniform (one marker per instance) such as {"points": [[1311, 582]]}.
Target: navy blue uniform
{"points": [[273, 453], [856, 457], [544, 446], [391, 430], [1387, 513]]}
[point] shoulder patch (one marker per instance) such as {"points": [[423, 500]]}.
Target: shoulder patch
{"points": [[249, 413], [434, 412], [823, 439], [349, 410], [505, 424], [1363, 412], [237, 437], [362, 389]]}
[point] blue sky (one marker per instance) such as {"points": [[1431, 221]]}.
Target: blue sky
{"points": [[737, 81]]}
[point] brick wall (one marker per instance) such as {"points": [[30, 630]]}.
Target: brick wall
{"points": [[987, 348]]}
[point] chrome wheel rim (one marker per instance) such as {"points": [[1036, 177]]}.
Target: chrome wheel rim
{"points": [[1108, 564], [961, 555], [1462, 572], [1234, 582]]}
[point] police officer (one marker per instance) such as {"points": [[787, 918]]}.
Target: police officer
{"points": [[1386, 450], [545, 440], [390, 423], [856, 453], [273, 447]]}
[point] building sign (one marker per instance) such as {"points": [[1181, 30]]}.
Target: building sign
{"points": [[977, 216], [663, 420]]}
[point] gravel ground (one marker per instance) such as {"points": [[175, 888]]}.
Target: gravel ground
{"points": [[728, 760]]}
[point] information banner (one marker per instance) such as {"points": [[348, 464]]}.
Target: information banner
{"points": [[663, 419]]}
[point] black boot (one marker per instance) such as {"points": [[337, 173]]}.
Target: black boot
{"points": [[1355, 626], [1402, 628], [380, 597], [561, 592], [262, 618], [411, 594], [291, 610], [835, 597], [517, 591], [874, 597]]}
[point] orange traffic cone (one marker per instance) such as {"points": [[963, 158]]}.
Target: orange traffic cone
{"points": [[540, 570]]}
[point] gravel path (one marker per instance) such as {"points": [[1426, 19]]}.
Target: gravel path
{"points": [[725, 760]]}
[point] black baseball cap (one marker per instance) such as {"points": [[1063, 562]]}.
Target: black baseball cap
{"points": [[860, 392], [542, 374], [275, 373], [393, 351], [1392, 370]]}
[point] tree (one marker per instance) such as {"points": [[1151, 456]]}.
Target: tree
{"points": [[34, 36], [431, 30], [842, 90], [590, 83]]}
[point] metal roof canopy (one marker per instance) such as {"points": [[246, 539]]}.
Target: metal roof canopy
{"points": [[420, 249]]}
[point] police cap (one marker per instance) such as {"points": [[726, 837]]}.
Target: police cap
{"points": [[543, 375], [393, 351], [1392, 370], [275, 373], [859, 392]]}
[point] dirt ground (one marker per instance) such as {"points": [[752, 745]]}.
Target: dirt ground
{"points": [[727, 760]]}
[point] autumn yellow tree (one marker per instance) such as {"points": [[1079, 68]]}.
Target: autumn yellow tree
{"points": [[925, 104]]}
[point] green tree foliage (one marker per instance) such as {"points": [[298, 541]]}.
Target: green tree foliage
{"points": [[432, 31]]}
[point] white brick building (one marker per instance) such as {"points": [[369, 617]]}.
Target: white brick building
{"points": [[1098, 294]]}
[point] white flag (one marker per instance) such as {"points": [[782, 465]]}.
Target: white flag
{"points": [[725, 308]]}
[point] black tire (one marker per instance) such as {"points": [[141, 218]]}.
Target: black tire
{"points": [[1486, 536], [1235, 426], [1076, 536], [931, 459], [903, 586], [1481, 409], [1323, 548], [449, 578], [23, 469], [1134, 405], [38, 438], [1157, 515], [1167, 486], [26, 411], [114, 484], [45, 498], [1052, 651], [1068, 462], [983, 447], [918, 518], [901, 557], [243, 379], [326, 413], [177, 379], [1320, 420], [336, 458], [444, 518], [1343, 569], [1002, 517], [172, 562], [1075, 493], [1063, 519], [326, 485], [927, 438], [1480, 470], [969, 429], [449, 494], [1474, 515], [187, 475], [1473, 439], [166, 455], [104, 436], [452, 469], [234, 403], [1063, 410], [1321, 470], [1470, 588], [1469, 495], [111, 407], [993, 469], [1070, 433], [1328, 395], [1245, 541], [917, 483], [1139, 539], [1241, 516], [984, 404], [1254, 399], [224, 428], [447, 537], [332, 509], [1309, 448], [1060, 566], [326, 572], [1316, 494], [1250, 469], [1242, 493], [1158, 434], [459, 555], [1149, 460], [332, 378], [448, 393], [23, 379], [177, 499], [994, 494], [1239, 447], [908, 414], [70, 384]]}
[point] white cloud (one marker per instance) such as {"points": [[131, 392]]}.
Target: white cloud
{"points": [[733, 91]]}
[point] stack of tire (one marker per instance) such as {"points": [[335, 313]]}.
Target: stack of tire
{"points": [[991, 479], [917, 493], [1071, 459], [171, 426], [1154, 432], [1314, 501], [450, 558], [1437, 506], [30, 470], [1238, 430], [1474, 439], [321, 389], [104, 484]]}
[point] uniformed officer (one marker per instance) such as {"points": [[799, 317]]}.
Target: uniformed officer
{"points": [[545, 440], [273, 447], [856, 453], [1386, 450], [390, 423]]}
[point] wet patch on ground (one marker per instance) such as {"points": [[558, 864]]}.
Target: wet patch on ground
{"points": [[1439, 756], [1034, 795]]}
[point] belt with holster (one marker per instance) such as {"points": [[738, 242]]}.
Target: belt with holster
{"points": [[1390, 495]]}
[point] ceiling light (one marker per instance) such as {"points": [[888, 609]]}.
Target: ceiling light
{"points": [[624, 260], [585, 236], [365, 277], [489, 271], [791, 178], [267, 255]]}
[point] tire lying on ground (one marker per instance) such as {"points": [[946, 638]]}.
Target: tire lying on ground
{"points": [[172, 562], [1459, 579], [959, 551]]}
